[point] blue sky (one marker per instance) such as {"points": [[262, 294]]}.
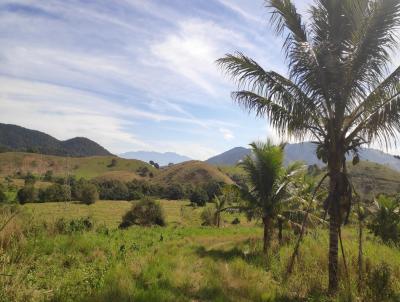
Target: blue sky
{"points": [[133, 74]]}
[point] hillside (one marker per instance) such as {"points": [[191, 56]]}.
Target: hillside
{"points": [[163, 159], [87, 167], [191, 172], [16, 138], [304, 152]]}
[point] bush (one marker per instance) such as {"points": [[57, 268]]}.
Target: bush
{"points": [[207, 217], [88, 193], [48, 176], [199, 197], [112, 190], [386, 221], [213, 188], [27, 194], [55, 192], [174, 192], [30, 179], [74, 225], [379, 283], [3, 196], [236, 221], [146, 212]]}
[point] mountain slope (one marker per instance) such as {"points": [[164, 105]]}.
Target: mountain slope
{"points": [[190, 172], [163, 159], [88, 167], [230, 157], [16, 138], [305, 152]]}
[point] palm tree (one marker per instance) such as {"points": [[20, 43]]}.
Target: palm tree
{"points": [[339, 92], [227, 200], [268, 182]]}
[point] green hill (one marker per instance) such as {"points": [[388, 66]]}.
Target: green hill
{"points": [[190, 172], [16, 138], [88, 167]]}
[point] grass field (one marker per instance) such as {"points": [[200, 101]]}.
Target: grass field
{"points": [[181, 262]]}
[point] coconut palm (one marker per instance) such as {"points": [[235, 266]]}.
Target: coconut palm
{"points": [[269, 183], [340, 90], [227, 200]]}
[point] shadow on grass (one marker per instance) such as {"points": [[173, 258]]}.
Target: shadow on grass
{"points": [[253, 258]]}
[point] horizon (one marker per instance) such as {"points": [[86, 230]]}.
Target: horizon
{"points": [[134, 75]]}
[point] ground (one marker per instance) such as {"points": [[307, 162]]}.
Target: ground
{"points": [[181, 262]]}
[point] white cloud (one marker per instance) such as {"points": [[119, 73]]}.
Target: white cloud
{"points": [[192, 50], [227, 134]]}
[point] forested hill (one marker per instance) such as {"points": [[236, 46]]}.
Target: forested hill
{"points": [[16, 138]]}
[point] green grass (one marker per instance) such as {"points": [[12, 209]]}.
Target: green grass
{"points": [[181, 262], [86, 167]]}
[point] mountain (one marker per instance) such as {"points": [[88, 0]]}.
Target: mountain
{"points": [[305, 152], [230, 157], [16, 138], [163, 159]]}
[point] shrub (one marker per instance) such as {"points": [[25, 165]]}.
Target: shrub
{"points": [[3, 196], [207, 217], [112, 190], [30, 179], [213, 188], [174, 192], [55, 192], [199, 197], [88, 194], [386, 221], [379, 283], [74, 225], [236, 221], [146, 212], [27, 194], [48, 176]]}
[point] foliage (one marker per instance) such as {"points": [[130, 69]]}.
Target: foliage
{"points": [[198, 197], [379, 283], [55, 192], [3, 196], [27, 194], [174, 192], [48, 176], [112, 190], [385, 222], [208, 217], [145, 212], [29, 179], [64, 226], [88, 193], [339, 91]]}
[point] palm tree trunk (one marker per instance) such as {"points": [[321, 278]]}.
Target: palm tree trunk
{"points": [[267, 233], [360, 255], [334, 198], [280, 230], [333, 250]]}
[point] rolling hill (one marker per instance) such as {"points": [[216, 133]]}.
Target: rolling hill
{"points": [[87, 167], [190, 172], [163, 159], [304, 152], [16, 138]]}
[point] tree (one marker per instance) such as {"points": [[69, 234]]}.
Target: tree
{"points": [[199, 197], [268, 183], [145, 212], [27, 194], [88, 193], [230, 197], [339, 91]]}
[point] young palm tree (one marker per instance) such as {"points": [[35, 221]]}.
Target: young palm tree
{"points": [[227, 200], [339, 90], [269, 182]]}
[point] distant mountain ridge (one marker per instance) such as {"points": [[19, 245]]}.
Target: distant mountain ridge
{"points": [[162, 159], [304, 152], [17, 138]]}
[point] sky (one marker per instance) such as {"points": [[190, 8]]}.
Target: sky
{"points": [[133, 74]]}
